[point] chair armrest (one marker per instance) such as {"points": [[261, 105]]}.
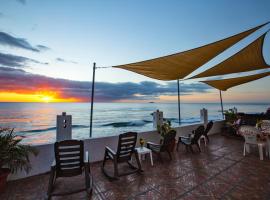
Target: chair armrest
{"points": [[86, 159], [110, 150], [153, 144], [184, 137]]}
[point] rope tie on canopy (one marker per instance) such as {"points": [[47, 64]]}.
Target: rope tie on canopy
{"points": [[103, 67]]}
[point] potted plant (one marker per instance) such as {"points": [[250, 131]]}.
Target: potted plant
{"points": [[13, 155], [163, 130], [230, 116]]}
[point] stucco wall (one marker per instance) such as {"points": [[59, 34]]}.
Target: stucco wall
{"points": [[95, 147]]}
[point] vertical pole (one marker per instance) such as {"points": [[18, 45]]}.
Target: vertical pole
{"points": [[221, 103], [92, 99], [179, 113]]}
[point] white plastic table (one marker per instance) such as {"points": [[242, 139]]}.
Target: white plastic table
{"points": [[143, 151]]}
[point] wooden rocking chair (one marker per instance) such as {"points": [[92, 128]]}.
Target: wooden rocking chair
{"points": [[189, 141], [166, 145], [125, 150], [68, 163]]}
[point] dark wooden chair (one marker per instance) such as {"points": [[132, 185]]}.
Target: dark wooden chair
{"points": [[166, 145], [207, 129], [69, 161], [125, 150], [189, 141]]}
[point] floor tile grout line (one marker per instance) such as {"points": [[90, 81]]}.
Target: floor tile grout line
{"points": [[219, 157], [233, 187], [207, 180]]}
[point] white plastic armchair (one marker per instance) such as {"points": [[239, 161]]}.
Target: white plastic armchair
{"points": [[250, 134]]}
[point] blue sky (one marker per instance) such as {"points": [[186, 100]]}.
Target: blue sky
{"points": [[81, 32]]}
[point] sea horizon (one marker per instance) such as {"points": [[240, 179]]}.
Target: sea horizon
{"points": [[36, 122]]}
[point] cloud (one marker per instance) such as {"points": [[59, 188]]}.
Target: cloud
{"points": [[8, 40], [42, 48], [19, 81], [22, 1], [9, 60], [65, 61]]}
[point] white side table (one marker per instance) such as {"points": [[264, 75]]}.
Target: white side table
{"points": [[143, 151]]}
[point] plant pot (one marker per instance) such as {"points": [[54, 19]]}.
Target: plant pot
{"points": [[4, 172], [172, 146]]}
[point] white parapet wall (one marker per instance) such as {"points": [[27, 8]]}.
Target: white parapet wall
{"points": [[96, 146]]}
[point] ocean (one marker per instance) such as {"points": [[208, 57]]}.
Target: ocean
{"points": [[36, 122]]}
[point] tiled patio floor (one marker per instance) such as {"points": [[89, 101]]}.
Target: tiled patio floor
{"points": [[219, 172]]}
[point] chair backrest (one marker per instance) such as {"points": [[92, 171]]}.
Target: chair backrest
{"points": [[126, 146], [250, 139], [208, 127], [169, 138], [69, 157], [197, 134]]}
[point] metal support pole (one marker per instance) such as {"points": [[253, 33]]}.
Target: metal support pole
{"points": [[179, 113], [92, 99], [221, 104]]}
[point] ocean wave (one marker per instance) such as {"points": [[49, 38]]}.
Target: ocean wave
{"points": [[52, 129], [128, 124], [191, 120]]}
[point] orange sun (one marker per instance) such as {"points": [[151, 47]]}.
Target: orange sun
{"points": [[47, 99]]}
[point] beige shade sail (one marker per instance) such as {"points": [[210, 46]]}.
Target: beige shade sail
{"points": [[248, 59], [225, 84], [179, 65]]}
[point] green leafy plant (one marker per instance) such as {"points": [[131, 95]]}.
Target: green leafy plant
{"points": [[230, 116], [13, 155], [164, 128], [259, 123]]}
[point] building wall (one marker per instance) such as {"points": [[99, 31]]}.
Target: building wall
{"points": [[95, 147]]}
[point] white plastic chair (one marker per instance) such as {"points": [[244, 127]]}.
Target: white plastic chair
{"points": [[265, 126], [250, 135]]}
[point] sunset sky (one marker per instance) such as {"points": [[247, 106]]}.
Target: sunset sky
{"points": [[47, 48]]}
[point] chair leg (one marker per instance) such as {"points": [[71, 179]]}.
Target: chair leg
{"points": [[260, 146], [51, 182], [186, 148], [198, 147], [160, 157], [170, 155], [115, 168], [244, 151], [138, 161], [207, 138], [88, 180], [191, 149], [199, 141], [177, 145], [105, 159]]}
